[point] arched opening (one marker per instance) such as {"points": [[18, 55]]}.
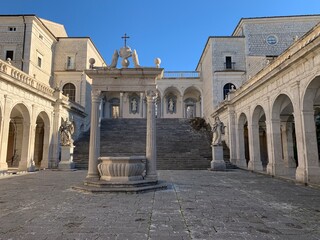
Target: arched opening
{"points": [[170, 103], [69, 90], [311, 131], [260, 147], [41, 141], [243, 156], [192, 102], [227, 88], [18, 138], [284, 139], [114, 108]]}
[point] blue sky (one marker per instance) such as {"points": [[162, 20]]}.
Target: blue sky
{"points": [[174, 30]]}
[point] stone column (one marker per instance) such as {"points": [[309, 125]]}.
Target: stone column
{"points": [[5, 124], [141, 104], [232, 136], [275, 165], [182, 107], [308, 169], [94, 147], [241, 159], [151, 147], [255, 163], [121, 105]]}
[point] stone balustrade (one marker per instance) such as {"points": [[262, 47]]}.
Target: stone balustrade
{"points": [[181, 74], [24, 78]]}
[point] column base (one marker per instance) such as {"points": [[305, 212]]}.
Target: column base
{"points": [[151, 177], [255, 166]]}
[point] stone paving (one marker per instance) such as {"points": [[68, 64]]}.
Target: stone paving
{"points": [[197, 205]]}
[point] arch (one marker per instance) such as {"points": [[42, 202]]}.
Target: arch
{"points": [[226, 89], [114, 107], [170, 100], [242, 140], [69, 89], [192, 102], [259, 135], [284, 157], [41, 141], [18, 138], [311, 130]]}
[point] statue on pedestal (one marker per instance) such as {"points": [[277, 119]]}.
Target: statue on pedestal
{"points": [[66, 130], [217, 130]]}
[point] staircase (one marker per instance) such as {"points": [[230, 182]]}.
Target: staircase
{"points": [[178, 145]]}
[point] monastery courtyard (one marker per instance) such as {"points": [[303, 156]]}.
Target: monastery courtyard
{"points": [[234, 204]]}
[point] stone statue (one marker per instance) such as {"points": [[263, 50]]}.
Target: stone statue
{"points": [[115, 57], [171, 105], [217, 130], [134, 105], [66, 130], [135, 59]]}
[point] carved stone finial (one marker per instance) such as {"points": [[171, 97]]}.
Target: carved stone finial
{"points": [[157, 62], [92, 61], [115, 57], [135, 59]]}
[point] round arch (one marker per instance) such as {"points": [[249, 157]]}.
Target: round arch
{"points": [[18, 137], [242, 139], [41, 141], [259, 134], [285, 159], [192, 102], [311, 125]]}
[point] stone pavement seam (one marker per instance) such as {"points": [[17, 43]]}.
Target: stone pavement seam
{"points": [[150, 218], [181, 210]]}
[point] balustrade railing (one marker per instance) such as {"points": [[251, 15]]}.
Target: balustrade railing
{"points": [[24, 78], [181, 74]]}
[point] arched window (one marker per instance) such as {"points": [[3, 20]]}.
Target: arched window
{"points": [[227, 88], [69, 89]]}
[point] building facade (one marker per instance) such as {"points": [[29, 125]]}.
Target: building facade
{"points": [[271, 109], [42, 83], [262, 82]]}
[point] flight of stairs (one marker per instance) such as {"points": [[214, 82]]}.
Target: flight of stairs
{"points": [[179, 146]]}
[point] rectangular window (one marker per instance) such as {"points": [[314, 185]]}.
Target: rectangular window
{"points": [[12, 29], [228, 62], [39, 62], [70, 62], [9, 54]]}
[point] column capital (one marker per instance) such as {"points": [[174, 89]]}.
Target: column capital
{"points": [[96, 95], [150, 95]]}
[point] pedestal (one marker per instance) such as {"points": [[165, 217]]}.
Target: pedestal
{"points": [[66, 158], [217, 163]]}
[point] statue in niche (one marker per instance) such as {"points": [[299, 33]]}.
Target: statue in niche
{"points": [[217, 130], [115, 57], [66, 130], [171, 105], [134, 106], [135, 59]]}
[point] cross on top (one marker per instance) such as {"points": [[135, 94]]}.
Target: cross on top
{"points": [[125, 39]]}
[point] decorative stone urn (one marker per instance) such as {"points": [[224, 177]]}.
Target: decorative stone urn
{"points": [[122, 169]]}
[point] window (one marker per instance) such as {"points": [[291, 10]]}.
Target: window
{"points": [[12, 29], [39, 62], [228, 62], [9, 54], [227, 88], [70, 62], [272, 40], [69, 90]]}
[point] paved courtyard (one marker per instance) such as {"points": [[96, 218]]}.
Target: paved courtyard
{"points": [[197, 205]]}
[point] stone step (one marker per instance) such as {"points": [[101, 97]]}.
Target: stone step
{"points": [[178, 145]]}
